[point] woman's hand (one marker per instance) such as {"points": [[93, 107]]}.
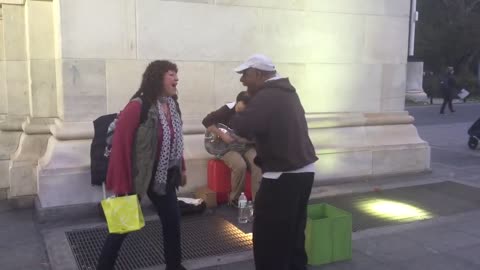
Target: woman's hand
{"points": [[183, 180]]}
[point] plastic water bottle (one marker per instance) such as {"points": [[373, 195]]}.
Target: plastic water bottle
{"points": [[243, 211]]}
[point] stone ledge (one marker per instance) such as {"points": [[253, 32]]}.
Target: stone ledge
{"points": [[13, 123], [35, 126], [332, 120], [8, 143], [326, 151], [12, 2], [64, 131], [70, 186], [72, 130]]}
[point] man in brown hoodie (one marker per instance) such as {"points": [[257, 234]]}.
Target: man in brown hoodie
{"points": [[275, 119]]}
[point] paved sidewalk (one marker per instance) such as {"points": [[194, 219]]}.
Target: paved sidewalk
{"points": [[450, 243], [21, 244]]}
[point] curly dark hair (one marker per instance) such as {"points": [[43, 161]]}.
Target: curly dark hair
{"points": [[152, 80]]}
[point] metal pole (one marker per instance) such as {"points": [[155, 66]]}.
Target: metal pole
{"points": [[413, 20]]}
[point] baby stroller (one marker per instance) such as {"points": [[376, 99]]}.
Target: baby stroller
{"points": [[474, 133]]}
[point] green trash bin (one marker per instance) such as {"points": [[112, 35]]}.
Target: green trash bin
{"points": [[328, 234]]}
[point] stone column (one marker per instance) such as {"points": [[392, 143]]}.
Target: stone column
{"points": [[3, 85], [16, 83], [90, 36], [42, 99], [414, 87], [3, 105]]}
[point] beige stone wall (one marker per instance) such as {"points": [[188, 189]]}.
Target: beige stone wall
{"points": [[41, 55], [16, 67], [13, 85], [28, 66], [3, 85], [326, 48], [342, 56], [85, 58]]}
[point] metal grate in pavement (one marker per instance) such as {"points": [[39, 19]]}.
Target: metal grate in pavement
{"points": [[211, 235], [201, 237]]}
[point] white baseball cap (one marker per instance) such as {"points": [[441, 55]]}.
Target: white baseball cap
{"points": [[256, 61]]}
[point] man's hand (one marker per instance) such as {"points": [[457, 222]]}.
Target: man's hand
{"points": [[242, 140], [224, 137], [227, 138], [183, 180]]}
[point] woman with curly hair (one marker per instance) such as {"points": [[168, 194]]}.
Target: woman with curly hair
{"points": [[147, 158]]}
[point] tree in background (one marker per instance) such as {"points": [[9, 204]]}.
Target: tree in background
{"points": [[448, 34]]}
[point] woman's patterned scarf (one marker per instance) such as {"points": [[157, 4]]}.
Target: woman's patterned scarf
{"points": [[171, 150]]}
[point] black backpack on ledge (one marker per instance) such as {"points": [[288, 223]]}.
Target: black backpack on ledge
{"points": [[104, 127], [98, 160]]}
